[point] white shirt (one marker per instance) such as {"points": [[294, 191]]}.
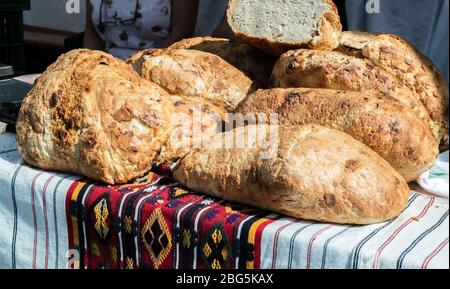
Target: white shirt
{"points": [[125, 29]]}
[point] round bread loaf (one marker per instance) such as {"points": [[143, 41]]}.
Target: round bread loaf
{"points": [[91, 114]]}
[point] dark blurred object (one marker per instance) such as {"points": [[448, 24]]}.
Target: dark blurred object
{"points": [[12, 92], [14, 5], [6, 71], [342, 13], [74, 42], [43, 46], [11, 33]]}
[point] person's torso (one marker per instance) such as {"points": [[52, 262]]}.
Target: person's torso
{"points": [[126, 26]]}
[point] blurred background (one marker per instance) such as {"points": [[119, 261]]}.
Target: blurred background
{"points": [[33, 33]]}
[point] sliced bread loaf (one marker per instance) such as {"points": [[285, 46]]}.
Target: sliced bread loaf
{"points": [[276, 26]]}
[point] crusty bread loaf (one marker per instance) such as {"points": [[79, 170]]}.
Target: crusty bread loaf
{"points": [[353, 42], [254, 63], [315, 173], [91, 114], [276, 26], [136, 60], [390, 129], [336, 70], [196, 74], [209, 44], [409, 65], [193, 121]]}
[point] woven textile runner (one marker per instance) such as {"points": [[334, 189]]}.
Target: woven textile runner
{"points": [[154, 223]]}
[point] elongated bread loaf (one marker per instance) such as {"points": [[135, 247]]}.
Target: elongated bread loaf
{"points": [[336, 70], [311, 172], [254, 63], [196, 74], [409, 65], [91, 114], [276, 26], [390, 129]]}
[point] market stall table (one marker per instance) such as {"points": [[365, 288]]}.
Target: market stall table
{"points": [[54, 220]]}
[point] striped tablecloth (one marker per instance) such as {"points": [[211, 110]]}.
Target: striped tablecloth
{"points": [[52, 220]]}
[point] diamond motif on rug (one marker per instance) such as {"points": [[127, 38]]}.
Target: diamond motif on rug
{"points": [[186, 238], [128, 224], [102, 217], [156, 238], [215, 248]]}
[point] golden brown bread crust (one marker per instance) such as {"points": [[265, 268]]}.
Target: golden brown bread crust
{"points": [[316, 174], [353, 42], [202, 43], [330, 29], [382, 124], [197, 74], [136, 60], [90, 114], [193, 121], [336, 70], [408, 64], [254, 63]]}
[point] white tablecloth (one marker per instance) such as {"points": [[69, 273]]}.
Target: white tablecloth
{"points": [[34, 228]]}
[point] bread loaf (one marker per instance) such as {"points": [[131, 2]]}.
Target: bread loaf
{"points": [[254, 63], [136, 60], [276, 26], [353, 42], [406, 63], [196, 74], [91, 114], [192, 123], [335, 70], [390, 129], [314, 173]]}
